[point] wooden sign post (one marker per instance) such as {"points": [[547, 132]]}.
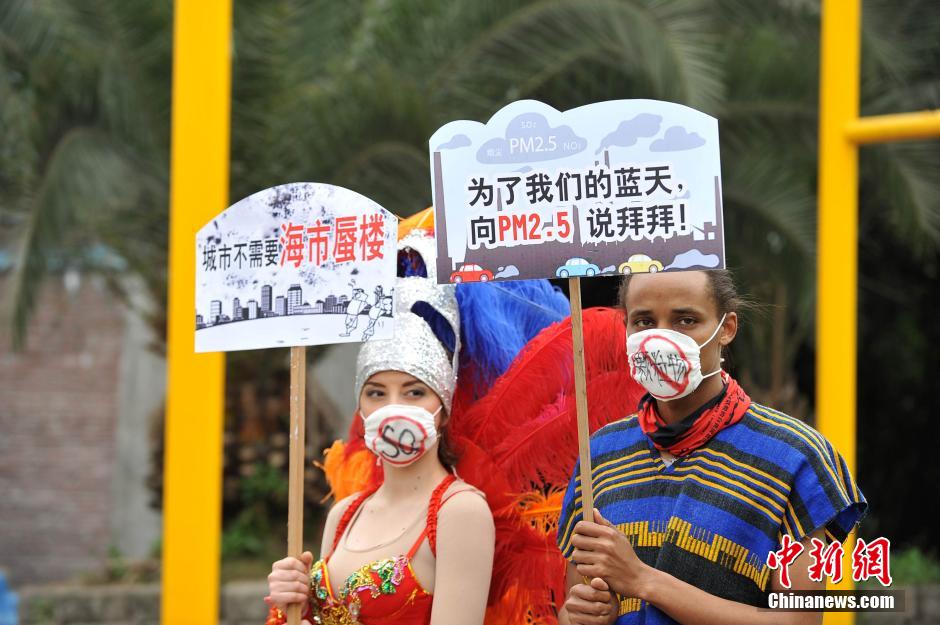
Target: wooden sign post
{"points": [[580, 389], [295, 486]]}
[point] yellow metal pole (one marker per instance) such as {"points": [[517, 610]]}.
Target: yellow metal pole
{"points": [[900, 127], [195, 383], [837, 271]]}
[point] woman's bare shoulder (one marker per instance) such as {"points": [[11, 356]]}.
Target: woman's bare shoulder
{"points": [[332, 519], [463, 501], [338, 508]]}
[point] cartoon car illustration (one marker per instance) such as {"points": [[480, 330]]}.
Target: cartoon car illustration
{"points": [[471, 273], [640, 263], [577, 267]]}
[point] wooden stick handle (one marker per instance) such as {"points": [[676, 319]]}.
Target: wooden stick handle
{"points": [[580, 390], [295, 487]]}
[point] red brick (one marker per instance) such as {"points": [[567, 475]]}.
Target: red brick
{"points": [[57, 435]]}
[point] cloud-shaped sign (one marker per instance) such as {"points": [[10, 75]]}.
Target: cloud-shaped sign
{"points": [[643, 125], [529, 137], [677, 139], [457, 141], [693, 258]]}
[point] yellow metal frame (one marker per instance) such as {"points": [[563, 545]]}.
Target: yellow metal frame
{"points": [[192, 499], [841, 132]]}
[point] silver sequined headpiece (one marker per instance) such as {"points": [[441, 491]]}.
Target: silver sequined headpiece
{"points": [[415, 349]]}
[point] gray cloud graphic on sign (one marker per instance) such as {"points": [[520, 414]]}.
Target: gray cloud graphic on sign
{"points": [[693, 258], [643, 125], [529, 137], [457, 141], [677, 139], [510, 271]]}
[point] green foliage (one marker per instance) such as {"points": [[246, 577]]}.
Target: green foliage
{"points": [[156, 548], [84, 93], [39, 610], [263, 498], [349, 92], [117, 567], [244, 536], [912, 567], [265, 484]]}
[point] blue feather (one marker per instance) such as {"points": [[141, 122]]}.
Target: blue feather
{"points": [[497, 319], [410, 263]]}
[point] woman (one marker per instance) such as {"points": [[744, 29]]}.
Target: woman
{"points": [[696, 489], [419, 548], [431, 534]]}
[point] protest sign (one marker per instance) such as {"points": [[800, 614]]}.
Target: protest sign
{"points": [[625, 186], [296, 264]]}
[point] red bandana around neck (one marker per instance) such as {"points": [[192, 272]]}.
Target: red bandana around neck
{"points": [[683, 438]]}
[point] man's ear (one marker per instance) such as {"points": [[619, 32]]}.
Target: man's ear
{"points": [[729, 329]]}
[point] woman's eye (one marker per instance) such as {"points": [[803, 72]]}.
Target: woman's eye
{"points": [[416, 393], [374, 393], [642, 323], [687, 321]]}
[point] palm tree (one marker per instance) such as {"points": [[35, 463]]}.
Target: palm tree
{"points": [[84, 99]]}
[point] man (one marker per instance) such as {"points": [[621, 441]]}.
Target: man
{"points": [[694, 490]]}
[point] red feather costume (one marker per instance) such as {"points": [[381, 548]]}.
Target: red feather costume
{"points": [[518, 444]]}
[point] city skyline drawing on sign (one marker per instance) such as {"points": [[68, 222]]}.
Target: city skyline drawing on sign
{"points": [[292, 303]]}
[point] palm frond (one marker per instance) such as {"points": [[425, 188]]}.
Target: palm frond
{"points": [[672, 44], [86, 178], [394, 174], [901, 178], [762, 185]]}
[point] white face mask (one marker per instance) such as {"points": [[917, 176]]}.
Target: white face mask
{"points": [[400, 434], [667, 363]]}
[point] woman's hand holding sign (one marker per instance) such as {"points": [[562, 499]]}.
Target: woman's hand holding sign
{"points": [[289, 583]]}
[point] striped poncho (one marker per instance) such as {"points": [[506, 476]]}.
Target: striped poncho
{"points": [[711, 518]]}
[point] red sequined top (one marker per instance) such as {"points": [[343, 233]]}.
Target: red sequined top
{"points": [[384, 592]]}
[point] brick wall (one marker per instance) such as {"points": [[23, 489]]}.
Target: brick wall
{"points": [[57, 435]]}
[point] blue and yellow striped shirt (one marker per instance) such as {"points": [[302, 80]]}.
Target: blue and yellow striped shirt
{"points": [[711, 518]]}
